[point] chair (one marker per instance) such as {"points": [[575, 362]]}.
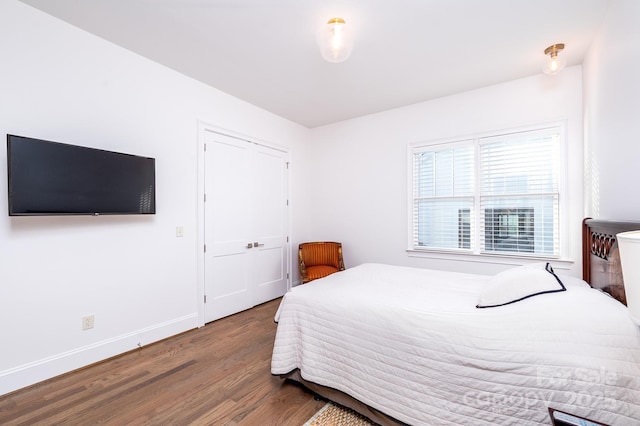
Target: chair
{"points": [[319, 259]]}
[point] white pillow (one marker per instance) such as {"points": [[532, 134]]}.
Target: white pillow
{"points": [[514, 285]]}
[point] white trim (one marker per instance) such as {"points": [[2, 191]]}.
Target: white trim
{"points": [[289, 226], [237, 135], [33, 372], [203, 127], [489, 133], [476, 140], [494, 259], [564, 216]]}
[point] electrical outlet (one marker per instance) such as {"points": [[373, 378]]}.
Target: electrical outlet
{"points": [[87, 322]]}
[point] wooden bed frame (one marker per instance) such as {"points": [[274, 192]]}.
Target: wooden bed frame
{"points": [[601, 257], [600, 268]]}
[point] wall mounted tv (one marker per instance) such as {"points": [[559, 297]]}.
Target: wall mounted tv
{"points": [[50, 178]]}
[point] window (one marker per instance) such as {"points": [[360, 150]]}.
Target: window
{"points": [[495, 194], [509, 230]]}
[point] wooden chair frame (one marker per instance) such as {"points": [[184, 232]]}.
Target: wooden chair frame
{"points": [[329, 251]]}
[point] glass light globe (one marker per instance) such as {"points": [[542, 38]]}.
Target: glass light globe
{"points": [[335, 40], [555, 62]]}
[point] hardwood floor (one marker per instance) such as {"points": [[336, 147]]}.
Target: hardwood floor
{"points": [[216, 375]]}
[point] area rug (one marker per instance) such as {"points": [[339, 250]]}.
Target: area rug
{"points": [[336, 415]]}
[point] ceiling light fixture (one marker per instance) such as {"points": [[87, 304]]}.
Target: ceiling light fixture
{"points": [[335, 40], [555, 63]]}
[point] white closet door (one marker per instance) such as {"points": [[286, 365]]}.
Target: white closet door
{"points": [[269, 211], [245, 225]]}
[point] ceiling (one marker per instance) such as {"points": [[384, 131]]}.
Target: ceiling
{"points": [[406, 51]]}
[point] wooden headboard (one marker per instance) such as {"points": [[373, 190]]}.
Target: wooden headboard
{"points": [[601, 257]]}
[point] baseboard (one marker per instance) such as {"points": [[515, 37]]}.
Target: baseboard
{"points": [[46, 368]]}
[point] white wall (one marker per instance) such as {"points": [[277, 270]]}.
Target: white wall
{"points": [[612, 115], [359, 182], [60, 83], [140, 281]]}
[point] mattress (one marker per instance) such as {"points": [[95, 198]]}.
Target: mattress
{"points": [[410, 343]]}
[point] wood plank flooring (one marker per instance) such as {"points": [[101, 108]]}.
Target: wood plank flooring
{"points": [[216, 375]]}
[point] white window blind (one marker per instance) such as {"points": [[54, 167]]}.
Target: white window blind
{"points": [[443, 196], [497, 194]]}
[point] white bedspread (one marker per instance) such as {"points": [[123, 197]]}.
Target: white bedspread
{"points": [[410, 343]]}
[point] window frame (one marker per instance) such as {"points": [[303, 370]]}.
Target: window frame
{"points": [[475, 254]]}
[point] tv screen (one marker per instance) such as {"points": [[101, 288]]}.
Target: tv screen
{"points": [[51, 178]]}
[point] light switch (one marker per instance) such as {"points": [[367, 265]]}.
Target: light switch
{"points": [[179, 231]]}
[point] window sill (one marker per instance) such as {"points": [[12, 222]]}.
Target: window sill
{"points": [[496, 259]]}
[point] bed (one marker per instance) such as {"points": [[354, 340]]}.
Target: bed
{"points": [[409, 346]]}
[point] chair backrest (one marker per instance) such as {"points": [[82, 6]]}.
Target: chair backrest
{"points": [[322, 253]]}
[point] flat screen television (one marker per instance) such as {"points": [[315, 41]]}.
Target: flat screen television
{"points": [[51, 178]]}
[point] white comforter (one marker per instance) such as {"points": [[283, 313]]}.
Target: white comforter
{"points": [[410, 343]]}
